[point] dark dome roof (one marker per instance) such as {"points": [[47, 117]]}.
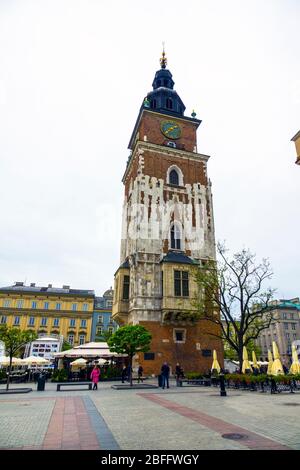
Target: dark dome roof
{"points": [[109, 293]]}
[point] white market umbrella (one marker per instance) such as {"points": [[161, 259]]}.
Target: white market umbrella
{"points": [[35, 360], [5, 360]]}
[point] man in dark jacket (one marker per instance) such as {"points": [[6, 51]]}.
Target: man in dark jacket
{"points": [[165, 372]]}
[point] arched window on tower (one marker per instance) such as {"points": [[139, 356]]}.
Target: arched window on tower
{"points": [[169, 103], [158, 83], [153, 104], [176, 243], [174, 178]]}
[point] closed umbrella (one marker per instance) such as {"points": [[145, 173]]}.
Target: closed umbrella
{"points": [[254, 360], [246, 364], [295, 367], [270, 363], [215, 365], [277, 368]]}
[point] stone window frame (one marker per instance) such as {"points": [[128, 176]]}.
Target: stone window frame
{"points": [[179, 330], [179, 172]]}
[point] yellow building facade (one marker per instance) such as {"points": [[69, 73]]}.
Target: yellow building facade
{"points": [[296, 139], [48, 310]]}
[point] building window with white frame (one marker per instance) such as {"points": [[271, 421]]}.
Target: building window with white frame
{"points": [[174, 176], [81, 339], [85, 307], [20, 303], [6, 303], [56, 322], [58, 306], [71, 339], [44, 321], [74, 307], [46, 305], [72, 322], [99, 331], [17, 321], [33, 304], [3, 319], [83, 324], [31, 321], [100, 319]]}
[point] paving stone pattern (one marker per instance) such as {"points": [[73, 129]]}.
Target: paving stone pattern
{"points": [[178, 418]]}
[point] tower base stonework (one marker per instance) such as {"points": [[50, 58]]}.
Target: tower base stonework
{"points": [[194, 354]]}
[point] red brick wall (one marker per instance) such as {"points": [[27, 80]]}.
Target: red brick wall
{"points": [[150, 126], [157, 164], [186, 354]]}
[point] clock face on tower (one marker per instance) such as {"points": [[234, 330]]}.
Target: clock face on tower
{"points": [[171, 129]]}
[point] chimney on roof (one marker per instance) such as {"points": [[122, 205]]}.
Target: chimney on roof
{"points": [[66, 287], [19, 284], [32, 284], [49, 285]]}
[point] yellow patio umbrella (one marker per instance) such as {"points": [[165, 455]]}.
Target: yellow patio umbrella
{"points": [[277, 368], [246, 364], [78, 362], [215, 365], [254, 360], [270, 363], [295, 367]]}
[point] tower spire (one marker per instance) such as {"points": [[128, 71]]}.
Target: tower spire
{"points": [[163, 59]]}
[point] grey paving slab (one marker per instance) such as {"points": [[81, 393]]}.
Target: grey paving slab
{"points": [[24, 423]]}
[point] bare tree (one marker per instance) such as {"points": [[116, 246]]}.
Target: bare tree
{"points": [[231, 296]]}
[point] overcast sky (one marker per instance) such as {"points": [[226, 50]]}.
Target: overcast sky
{"points": [[73, 75]]}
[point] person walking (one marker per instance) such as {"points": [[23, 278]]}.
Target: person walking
{"points": [[95, 375], [178, 373], [124, 374], [165, 372], [140, 374]]}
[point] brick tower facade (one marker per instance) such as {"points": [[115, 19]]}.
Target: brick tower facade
{"points": [[167, 232]]}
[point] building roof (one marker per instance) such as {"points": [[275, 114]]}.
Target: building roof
{"points": [[65, 290], [178, 257], [91, 350], [288, 304]]}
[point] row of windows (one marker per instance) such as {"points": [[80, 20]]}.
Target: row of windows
{"points": [[293, 326], [71, 338], [100, 330], [34, 305], [181, 285], [286, 315], [44, 321]]}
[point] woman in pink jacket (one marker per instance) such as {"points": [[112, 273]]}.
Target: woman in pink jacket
{"points": [[95, 374]]}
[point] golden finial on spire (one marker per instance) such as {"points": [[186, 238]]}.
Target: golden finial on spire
{"points": [[163, 59]]}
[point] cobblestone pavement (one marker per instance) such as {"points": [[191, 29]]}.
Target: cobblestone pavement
{"points": [[187, 418]]}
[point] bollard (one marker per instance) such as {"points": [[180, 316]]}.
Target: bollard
{"points": [[222, 386]]}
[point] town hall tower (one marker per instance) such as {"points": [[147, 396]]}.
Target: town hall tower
{"points": [[167, 233]]}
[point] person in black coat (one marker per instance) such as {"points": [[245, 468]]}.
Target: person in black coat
{"points": [[165, 373]]}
